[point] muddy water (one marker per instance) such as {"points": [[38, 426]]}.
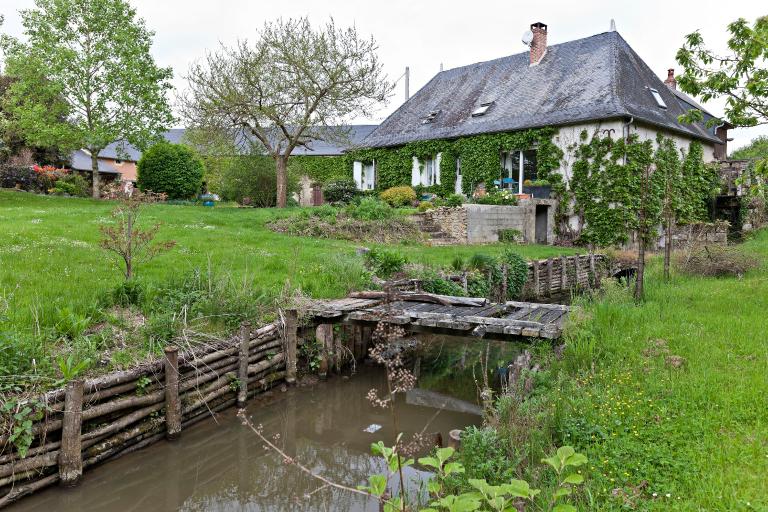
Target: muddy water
{"points": [[219, 465]]}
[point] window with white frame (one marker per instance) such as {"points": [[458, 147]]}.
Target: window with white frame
{"points": [[364, 174], [517, 167], [430, 171]]}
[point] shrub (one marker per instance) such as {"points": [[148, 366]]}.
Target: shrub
{"points": [[717, 262], [21, 177], [172, 169], [483, 455], [498, 197], [385, 262], [340, 191], [129, 293], [251, 180], [370, 209], [425, 205], [399, 196], [72, 185], [517, 273], [454, 200], [510, 236]]}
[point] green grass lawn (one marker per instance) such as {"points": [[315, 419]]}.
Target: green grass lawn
{"points": [[696, 435], [51, 263]]}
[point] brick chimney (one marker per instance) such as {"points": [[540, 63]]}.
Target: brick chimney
{"points": [[670, 81], [539, 42]]}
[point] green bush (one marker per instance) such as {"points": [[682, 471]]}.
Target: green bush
{"points": [[498, 197], [172, 169], [425, 205], [370, 209], [129, 293], [454, 200], [72, 185], [252, 180], [399, 196], [484, 456], [510, 235], [340, 191], [517, 273], [385, 262]]}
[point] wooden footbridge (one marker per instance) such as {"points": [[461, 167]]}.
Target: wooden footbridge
{"points": [[440, 313]]}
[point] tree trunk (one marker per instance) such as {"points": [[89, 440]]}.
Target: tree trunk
{"points": [[95, 172], [667, 247], [281, 164]]}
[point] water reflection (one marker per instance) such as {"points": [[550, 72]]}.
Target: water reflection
{"points": [[221, 466]]}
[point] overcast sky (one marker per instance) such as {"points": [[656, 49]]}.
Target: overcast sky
{"points": [[423, 34]]}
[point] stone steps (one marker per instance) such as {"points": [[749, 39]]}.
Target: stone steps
{"points": [[435, 235]]}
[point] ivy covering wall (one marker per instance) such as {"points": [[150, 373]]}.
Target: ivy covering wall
{"points": [[479, 158], [320, 169]]}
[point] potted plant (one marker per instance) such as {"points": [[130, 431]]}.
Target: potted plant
{"points": [[538, 189]]}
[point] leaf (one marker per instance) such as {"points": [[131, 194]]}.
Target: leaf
{"points": [[519, 489], [564, 508], [445, 453], [574, 479], [378, 484], [430, 462], [460, 503], [562, 491], [575, 460], [453, 467]]}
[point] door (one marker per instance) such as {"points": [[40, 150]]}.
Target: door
{"points": [[317, 195], [541, 224]]}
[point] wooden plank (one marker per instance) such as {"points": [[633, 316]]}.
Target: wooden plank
{"points": [[535, 265], [536, 314], [550, 273], [536, 305], [552, 315], [531, 332]]}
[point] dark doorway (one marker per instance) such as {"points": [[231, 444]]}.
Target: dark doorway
{"points": [[541, 224]]}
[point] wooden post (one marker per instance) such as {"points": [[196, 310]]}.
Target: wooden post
{"points": [[536, 278], [563, 274], [242, 370], [335, 344], [70, 455], [172, 402], [291, 340], [550, 272], [358, 341], [324, 336]]}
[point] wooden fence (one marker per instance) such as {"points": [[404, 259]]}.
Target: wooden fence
{"points": [[561, 275], [90, 421]]}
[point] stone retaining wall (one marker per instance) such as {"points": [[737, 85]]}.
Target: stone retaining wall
{"points": [[699, 234]]}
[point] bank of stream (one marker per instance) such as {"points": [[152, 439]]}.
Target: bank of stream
{"points": [[220, 465]]}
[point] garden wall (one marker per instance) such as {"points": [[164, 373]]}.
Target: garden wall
{"points": [[102, 418], [699, 234]]}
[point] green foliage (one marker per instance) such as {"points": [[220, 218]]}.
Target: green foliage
{"points": [[454, 200], [517, 273], [425, 205], [141, 385], [757, 149], [172, 169], [71, 367], [495, 196], [131, 292], [85, 77], [479, 156], [484, 455], [385, 262], [433, 283], [511, 236], [249, 180], [18, 417], [740, 76], [320, 169], [398, 196], [370, 208], [72, 184], [342, 190]]}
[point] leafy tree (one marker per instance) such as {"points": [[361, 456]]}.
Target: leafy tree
{"points": [[755, 150], [85, 78], [669, 171], [741, 76], [171, 169], [284, 89]]}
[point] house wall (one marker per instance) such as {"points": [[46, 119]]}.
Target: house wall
{"points": [[127, 169], [485, 221]]}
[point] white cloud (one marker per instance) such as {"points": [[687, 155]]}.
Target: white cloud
{"points": [[424, 34]]}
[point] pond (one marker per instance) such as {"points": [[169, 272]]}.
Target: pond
{"points": [[220, 465]]}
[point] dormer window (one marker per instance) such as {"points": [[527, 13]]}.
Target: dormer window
{"points": [[658, 98], [482, 109], [430, 117]]}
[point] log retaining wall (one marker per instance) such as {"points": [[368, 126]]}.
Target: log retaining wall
{"points": [[94, 420]]}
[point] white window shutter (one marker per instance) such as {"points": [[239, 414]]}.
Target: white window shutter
{"points": [[415, 173], [357, 174], [438, 158]]}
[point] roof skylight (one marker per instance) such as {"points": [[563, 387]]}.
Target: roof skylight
{"points": [[658, 98], [430, 117], [482, 109]]}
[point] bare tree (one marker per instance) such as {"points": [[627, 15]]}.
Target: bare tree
{"points": [[283, 89]]}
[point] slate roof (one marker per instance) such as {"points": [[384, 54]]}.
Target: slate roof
{"points": [[595, 78], [81, 160]]}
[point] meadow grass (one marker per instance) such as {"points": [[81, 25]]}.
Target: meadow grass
{"points": [[52, 268], [669, 399]]}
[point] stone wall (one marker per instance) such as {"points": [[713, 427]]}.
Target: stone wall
{"points": [[699, 234], [453, 221]]}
